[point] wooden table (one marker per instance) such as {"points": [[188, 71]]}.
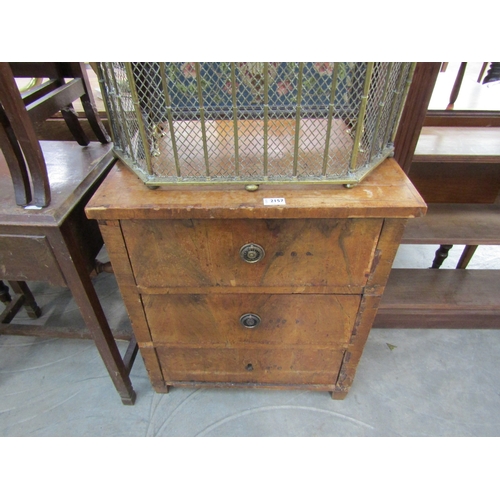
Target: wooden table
{"points": [[58, 244], [226, 290]]}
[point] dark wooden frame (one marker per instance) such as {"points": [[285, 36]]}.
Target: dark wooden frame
{"points": [[19, 119], [55, 242], [436, 298]]}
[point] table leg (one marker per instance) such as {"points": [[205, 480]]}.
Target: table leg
{"points": [[78, 280], [456, 87], [466, 256], [441, 255], [4, 293], [21, 288]]}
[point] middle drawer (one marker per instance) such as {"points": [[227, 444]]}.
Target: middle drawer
{"points": [[226, 320]]}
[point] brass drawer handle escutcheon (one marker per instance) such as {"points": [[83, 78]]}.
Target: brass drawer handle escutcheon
{"points": [[252, 253], [250, 320]]}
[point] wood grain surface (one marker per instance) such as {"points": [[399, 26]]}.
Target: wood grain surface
{"points": [[276, 366], [386, 192], [328, 252], [299, 252], [214, 320]]}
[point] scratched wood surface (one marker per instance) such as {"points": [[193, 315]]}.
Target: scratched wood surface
{"points": [[71, 170], [386, 192], [213, 320], [251, 365], [328, 253], [298, 252]]}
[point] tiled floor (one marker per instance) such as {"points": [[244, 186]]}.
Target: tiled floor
{"points": [[433, 383]]}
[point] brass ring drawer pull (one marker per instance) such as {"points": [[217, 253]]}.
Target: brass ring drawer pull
{"points": [[250, 320], [252, 253]]}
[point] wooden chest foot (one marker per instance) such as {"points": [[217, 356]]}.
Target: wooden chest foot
{"points": [[338, 394]]}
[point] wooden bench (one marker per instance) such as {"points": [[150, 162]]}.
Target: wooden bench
{"points": [[441, 298], [446, 298], [457, 164], [457, 171]]}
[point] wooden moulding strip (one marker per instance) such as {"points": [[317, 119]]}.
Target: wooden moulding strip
{"points": [[235, 120], [140, 121], [218, 290], [202, 118], [251, 385], [209, 344], [336, 68], [169, 117]]}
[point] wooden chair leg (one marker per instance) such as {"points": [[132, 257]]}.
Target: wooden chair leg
{"points": [[456, 87], [11, 309], [23, 298], [466, 256], [4, 293], [103, 267], [89, 106], [93, 118], [15, 161], [73, 123], [482, 72], [85, 296], [441, 255], [21, 288], [26, 137]]}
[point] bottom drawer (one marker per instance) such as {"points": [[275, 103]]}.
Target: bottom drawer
{"points": [[261, 366]]}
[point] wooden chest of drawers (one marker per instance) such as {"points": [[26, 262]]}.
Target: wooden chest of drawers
{"points": [[224, 289]]}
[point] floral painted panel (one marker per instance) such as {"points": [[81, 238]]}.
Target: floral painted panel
{"points": [[217, 87]]}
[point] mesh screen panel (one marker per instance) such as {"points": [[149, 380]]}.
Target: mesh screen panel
{"points": [[180, 122]]}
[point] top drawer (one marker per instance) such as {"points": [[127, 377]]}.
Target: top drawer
{"points": [[297, 252]]}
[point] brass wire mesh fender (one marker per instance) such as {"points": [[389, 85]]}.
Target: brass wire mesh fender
{"points": [[182, 122]]}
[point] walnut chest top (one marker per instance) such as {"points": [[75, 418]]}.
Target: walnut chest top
{"points": [[386, 192], [273, 288]]}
